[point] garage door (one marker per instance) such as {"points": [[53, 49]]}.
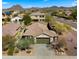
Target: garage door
{"points": [[43, 40]]}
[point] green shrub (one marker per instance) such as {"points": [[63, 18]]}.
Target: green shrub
{"points": [[61, 27], [24, 43], [67, 27], [47, 18], [6, 40], [10, 49]]}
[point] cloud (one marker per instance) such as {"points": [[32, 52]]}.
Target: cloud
{"points": [[5, 3], [74, 3], [45, 0]]}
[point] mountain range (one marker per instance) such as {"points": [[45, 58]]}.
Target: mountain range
{"points": [[20, 8]]}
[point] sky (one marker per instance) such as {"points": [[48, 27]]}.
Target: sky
{"points": [[38, 3]]}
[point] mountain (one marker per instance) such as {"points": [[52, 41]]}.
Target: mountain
{"points": [[15, 7], [20, 8]]}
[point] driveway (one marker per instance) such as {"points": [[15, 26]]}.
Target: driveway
{"points": [[39, 50], [42, 50]]}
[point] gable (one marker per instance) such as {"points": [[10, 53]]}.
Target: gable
{"points": [[43, 35]]}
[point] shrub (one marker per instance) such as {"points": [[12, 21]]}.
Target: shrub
{"points": [[10, 49], [6, 40], [16, 50], [47, 18], [24, 43], [57, 26]]}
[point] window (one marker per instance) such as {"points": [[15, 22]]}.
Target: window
{"points": [[35, 15], [41, 15], [66, 49], [15, 20], [3, 19], [75, 47], [55, 38], [24, 30]]}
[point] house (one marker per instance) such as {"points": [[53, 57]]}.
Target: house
{"points": [[37, 16], [39, 31], [4, 16], [68, 12], [10, 29], [16, 19], [22, 15], [15, 12]]}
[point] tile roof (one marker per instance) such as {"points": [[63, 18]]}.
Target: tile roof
{"points": [[37, 13], [10, 29], [38, 28]]}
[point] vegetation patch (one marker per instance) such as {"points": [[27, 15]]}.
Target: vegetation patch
{"points": [[24, 43], [57, 26]]}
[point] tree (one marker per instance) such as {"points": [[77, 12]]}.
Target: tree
{"points": [[53, 13], [48, 18], [26, 19], [11, 49], [8, 19], [74, 14]]}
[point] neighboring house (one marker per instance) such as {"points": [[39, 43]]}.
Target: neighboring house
{"points": [[21, 15], [37, 16], [16, 19], [15, 12], [39, 31], [60, 11], [68, 12], [4, 16], [10, 29]]}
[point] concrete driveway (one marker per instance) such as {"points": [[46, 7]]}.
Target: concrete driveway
{"points": [[39, 50], [42, 50]]}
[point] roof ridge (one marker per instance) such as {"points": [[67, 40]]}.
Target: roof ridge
{"points": [[40, 27]]}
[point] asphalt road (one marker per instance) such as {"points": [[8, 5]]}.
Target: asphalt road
{"points": [[69, 22]]}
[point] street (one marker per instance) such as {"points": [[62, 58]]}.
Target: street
{"points": [[69, 22]]}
